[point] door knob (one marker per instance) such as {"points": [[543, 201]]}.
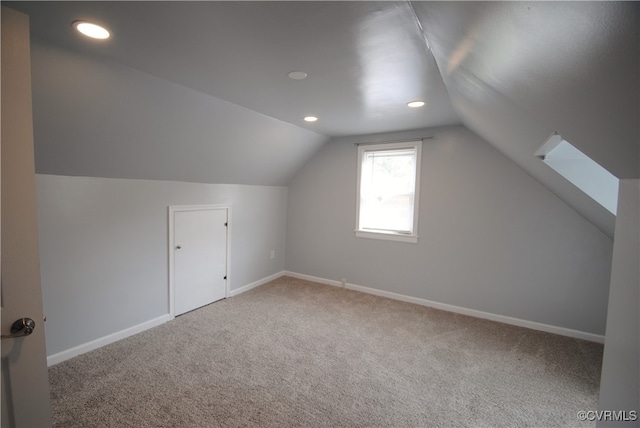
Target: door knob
{"points": [[22, 327], [178, 247]]}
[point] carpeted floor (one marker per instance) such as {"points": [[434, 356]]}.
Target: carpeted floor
{"points": [[296, 353]]}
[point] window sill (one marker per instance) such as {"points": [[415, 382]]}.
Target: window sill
{"points": [[388, 236]]}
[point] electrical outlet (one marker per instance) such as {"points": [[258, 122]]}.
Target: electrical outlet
{"points": [[273, 254]]}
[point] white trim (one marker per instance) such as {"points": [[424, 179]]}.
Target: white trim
{"points": [[255, 284], [411, 237], [387, 236], [114, 337], [178, 208], [130, 331], [312, 278], [106, 340], [591, 337]]}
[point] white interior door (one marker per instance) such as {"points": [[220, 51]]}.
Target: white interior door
{"points": [[200, 258], [25, 382]]}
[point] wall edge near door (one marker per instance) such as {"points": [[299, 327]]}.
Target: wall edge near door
{"points": [[106, 340], [562, 331]]}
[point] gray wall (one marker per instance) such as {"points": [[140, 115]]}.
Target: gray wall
{"points": [[98, 118], [620, 385], [491, 238], [104, 248]]}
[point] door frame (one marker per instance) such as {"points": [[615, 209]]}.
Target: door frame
{"points": [[173, 209]]}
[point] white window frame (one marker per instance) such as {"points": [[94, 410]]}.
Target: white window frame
{"points": [[389, 235]]}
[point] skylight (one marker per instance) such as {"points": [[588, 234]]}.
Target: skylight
{"points": [[581, 170]]}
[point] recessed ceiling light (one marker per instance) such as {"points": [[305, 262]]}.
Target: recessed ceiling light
{"points": [[310, 118], [297, 75], [91, 30], [415, 104]]}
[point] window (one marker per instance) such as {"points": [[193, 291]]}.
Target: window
{"points": [[388, 183], [581, 170]]}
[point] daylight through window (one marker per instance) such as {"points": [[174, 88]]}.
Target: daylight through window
{"points": [[582, 171], [388, 178]]}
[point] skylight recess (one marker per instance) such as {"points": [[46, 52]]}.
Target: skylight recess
{"points": [[581, 170]]}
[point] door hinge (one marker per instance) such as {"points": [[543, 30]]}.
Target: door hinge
{"points": [[226, 224], [225, 277]]}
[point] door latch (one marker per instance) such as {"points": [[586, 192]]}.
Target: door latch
{"points": [[20, 328]]}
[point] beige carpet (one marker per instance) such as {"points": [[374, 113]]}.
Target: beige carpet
{"points": [[296, 353]]}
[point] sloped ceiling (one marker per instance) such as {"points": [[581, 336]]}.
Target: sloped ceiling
{"points": [[513, 72], [365, 60], [518, 71]]}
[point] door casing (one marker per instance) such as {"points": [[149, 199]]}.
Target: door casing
{"points": [[172, 244]]}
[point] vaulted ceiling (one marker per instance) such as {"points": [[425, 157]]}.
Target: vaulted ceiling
{"points": [[513, 72]]}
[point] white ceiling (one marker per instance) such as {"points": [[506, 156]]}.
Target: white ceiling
{"points": [[513, 72], [365, 60]]}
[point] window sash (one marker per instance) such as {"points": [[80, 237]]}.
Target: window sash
{"points": [[388, 181]]}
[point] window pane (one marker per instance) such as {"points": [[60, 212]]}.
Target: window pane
{"points": [[387, 190]]}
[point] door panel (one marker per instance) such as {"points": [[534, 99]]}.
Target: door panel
{"points": [[200, 258], [25, 382]]}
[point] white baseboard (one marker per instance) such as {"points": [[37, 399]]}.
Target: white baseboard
{"points": [[457, 309], [255, 284], [114, 337], [106, 340], [313, 278]]}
